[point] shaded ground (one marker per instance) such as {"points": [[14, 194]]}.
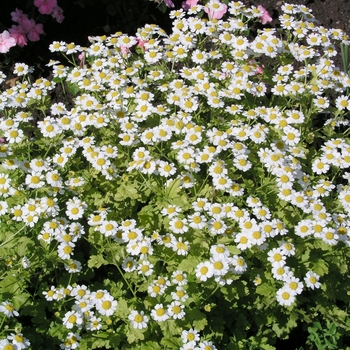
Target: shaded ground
{"points": [[99, 17]]}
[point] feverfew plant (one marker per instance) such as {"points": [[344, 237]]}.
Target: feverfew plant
{"points": [[178, 191]]}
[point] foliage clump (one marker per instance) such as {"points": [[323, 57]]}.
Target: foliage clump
{"points": [[188, 190]]}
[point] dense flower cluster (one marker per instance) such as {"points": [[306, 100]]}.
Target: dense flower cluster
{"points": [[210, 139]]}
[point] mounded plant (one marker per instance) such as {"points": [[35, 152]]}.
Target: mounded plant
{"points": [[186, 190]]}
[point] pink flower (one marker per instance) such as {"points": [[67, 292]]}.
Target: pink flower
{"points": [[81, 56], [33, 34], [45, 7], [215, 9], [18, 15], [169, 3], [186, 5], [57, 13], [260, 69], [124, 49], [6, 41], [25, 23], [19, 34], [265, 17], [141, 43]]}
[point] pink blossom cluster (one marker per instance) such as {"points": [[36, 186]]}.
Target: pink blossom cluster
{"points": [[27, 29], [187, 4], [265, 17], [216, 10], [6, 41]]}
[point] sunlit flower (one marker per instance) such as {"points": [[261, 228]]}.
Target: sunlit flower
{"points": [[285, 296], [238, 263], [159, 313], [94, 323], [72, 319], [204, 270], [276, 255], [75, 208], [19, 340], [34, 180], [73, 266], [320, 167], [312, 280], [145, 268], [287, 248], [6, 344], [342, 102], [109, 228], [71, 341], [14, 135], [106, 305], [190, 336], [138, 319], [294, 285], [179, 278], [176, 310], [8, 309], [280, 271], [197, 220]]}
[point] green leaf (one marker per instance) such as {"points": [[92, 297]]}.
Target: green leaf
{"points": [[126, 191], [10, 284], [320, 267], [122, 309], [284, 325], [189, 263], [105, 340], [198, 319], [134, 334], [20, 299], [149, 218], [338, 313], [96, 261], [233, 249], [265, 289], [173, 189], [72, 88], [205, 191], [162, 7], [95, 343], [151, 345], [173, 343], [24, 244], [169, 328]]}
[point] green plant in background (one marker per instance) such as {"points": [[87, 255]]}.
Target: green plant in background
{"points": [[345, 57], [324, 337], [178, 191]]}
